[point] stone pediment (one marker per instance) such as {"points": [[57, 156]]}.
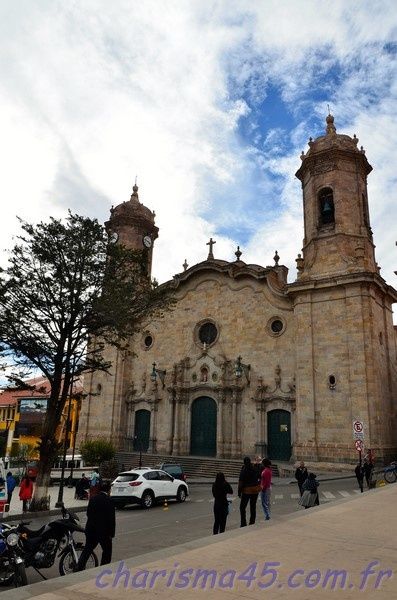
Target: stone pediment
{"points": [[275, 276]]}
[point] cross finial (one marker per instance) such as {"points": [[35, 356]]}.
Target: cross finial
{"points": [[210, 253], [238, 253], [185, 265]]}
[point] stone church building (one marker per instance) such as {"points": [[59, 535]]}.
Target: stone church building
{"points": [[247, 363]]}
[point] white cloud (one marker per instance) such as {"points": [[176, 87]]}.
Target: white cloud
{"points": [[94, 93]]}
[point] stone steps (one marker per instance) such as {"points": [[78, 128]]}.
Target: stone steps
{"points": [[194, 466]]}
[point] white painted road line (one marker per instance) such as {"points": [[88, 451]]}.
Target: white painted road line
{"points": [[345, 494], [295, 496], [328, 495]]}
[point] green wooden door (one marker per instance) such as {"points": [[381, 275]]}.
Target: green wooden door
{"points": [[203, 427], [279, 435], [142, 430]]}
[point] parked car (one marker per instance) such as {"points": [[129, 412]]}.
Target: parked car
{"points": [[175, 470], [146, 487]]}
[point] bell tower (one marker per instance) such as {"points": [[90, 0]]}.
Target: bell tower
{"points": [[338, 236], [132, 224]]}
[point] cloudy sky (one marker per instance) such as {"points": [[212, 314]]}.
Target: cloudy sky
{"points": [[209, 103]]}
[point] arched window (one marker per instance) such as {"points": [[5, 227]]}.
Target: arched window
{"points": [[326, 204]]}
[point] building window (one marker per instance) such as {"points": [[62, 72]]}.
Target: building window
{"points": [[275, 326], [147, 340], [326, 205], [206, 332]]}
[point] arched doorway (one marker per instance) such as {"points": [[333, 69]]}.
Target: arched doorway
{"points": [[142, 430], [279, 434], [203, 427]]}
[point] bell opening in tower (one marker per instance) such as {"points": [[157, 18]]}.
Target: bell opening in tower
{"points": [[326, 205]]}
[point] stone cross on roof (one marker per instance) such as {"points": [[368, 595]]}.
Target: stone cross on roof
{"points": [[210, 253]]}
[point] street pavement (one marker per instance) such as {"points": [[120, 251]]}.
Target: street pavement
{"points": [[141, 531], [343, 548]]}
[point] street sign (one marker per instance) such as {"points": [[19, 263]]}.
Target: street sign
{"points": [[358, 426], [359, 445], [358, 430]]}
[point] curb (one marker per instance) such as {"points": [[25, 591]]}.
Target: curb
{"points": [[43, 513]]}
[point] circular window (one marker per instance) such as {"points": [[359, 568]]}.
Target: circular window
{"points": [[208, 333], [275, 326], [147, 340]]}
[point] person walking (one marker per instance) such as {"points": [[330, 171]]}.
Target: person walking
{"points": [[368, 467], [82, 485], [25, 492], [266, 487], [95, 483], [311, 485], [100, 527], [359, 471], [301, 476], [248, 490], [11, 485], [220, 489]]}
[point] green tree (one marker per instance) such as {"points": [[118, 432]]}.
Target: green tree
{"points": [[67, 284], [95, 452]]}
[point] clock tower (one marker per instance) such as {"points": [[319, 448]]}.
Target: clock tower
{"points": [[132, 224]]}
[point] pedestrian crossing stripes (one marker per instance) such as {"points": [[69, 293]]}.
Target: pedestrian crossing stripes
{"points": [[324, 494], [329, 495]]}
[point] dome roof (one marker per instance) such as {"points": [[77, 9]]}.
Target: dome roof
{"points": [[331, 139], [132, 209]]}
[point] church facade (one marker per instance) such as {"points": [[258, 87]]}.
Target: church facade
{"points": [[247, 363]]}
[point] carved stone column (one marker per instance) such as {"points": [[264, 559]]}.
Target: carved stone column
{"points": [[183, 433], [233, 445], [176, 442], [220, 452]]}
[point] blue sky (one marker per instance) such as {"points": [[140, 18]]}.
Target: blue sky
{"points": [[209, 103]]}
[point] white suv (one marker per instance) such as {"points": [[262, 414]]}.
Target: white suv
{"points": [[145, 487]]}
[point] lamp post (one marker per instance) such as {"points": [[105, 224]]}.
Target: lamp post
{"points": [[241, 369], [158, 372]]}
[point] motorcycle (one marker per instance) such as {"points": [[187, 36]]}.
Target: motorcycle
{"points": [[42, 546], [12, 567]]}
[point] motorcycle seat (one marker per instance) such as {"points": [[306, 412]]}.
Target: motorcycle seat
{"points": [[32, 532]]}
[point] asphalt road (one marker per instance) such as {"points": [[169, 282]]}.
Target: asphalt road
{"points": [[141, 531]]}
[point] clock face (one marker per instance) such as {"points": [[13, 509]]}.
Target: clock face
{"points": [[114, 237], [147, 241]]}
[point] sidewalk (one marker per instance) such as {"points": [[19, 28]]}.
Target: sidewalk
{"points": [[69, 501], [346, 550]]}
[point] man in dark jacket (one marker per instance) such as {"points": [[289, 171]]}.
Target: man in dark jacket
{"points": [[248, 490], [100, 527], [301, 476]]}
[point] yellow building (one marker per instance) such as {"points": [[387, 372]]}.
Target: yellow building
{"points": [[22, 414]]}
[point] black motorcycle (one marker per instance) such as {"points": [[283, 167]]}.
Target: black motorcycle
{"points": [[42, 546], [12, 567]]}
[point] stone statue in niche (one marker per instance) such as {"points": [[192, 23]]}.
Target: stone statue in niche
{"points": [[204, 374], [143, 381]]}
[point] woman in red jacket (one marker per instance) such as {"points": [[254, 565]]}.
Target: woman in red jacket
{"points": [[25, 492]]}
